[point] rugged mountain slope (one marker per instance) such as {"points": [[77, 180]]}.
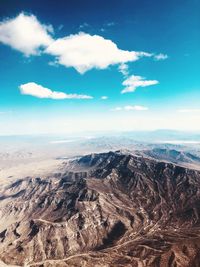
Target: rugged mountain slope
{"points": [[174, 156], [109, 209]]}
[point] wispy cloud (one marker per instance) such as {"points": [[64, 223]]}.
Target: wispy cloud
{"points": [[133, 82], [189, 110], [60, 27], [25, 34], [104, 97], [107, 25], [131, 108], [123, 68], [53, 63], [39, 91], [160, 57], [84, 25], [110, 24]]}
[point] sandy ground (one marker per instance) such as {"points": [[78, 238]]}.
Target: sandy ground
{"points": [[42, 168]]}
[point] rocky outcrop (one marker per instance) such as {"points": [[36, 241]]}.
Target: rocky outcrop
{"points": [[109, 209]]}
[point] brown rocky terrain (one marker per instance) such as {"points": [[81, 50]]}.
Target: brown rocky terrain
{"points": [[103, 210]]}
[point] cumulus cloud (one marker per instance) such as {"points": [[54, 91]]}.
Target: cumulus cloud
{"points": [[83, 52], [104, 97], [189, 110], [25, 34], [132, 82], [160, 57], [39, 91], [129, 108]]}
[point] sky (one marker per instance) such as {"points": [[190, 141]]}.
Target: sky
{"points": [[90, 65]]}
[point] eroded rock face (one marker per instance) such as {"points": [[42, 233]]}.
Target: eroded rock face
{"points": [[109, 209]]}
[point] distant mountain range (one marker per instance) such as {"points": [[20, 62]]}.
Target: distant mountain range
{"points": [[171, 155]]}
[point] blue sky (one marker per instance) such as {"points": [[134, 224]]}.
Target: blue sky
{"points": [[58, 59]]}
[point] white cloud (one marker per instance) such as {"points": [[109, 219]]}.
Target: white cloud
{"points": [[83, 52], [130, 108], [104, 97], [189, 110], [123, 68], [160, 57], [25, 34], [39, 91], [133, 82]]}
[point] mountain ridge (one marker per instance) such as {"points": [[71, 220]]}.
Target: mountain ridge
{"points": [[106, 209]]}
